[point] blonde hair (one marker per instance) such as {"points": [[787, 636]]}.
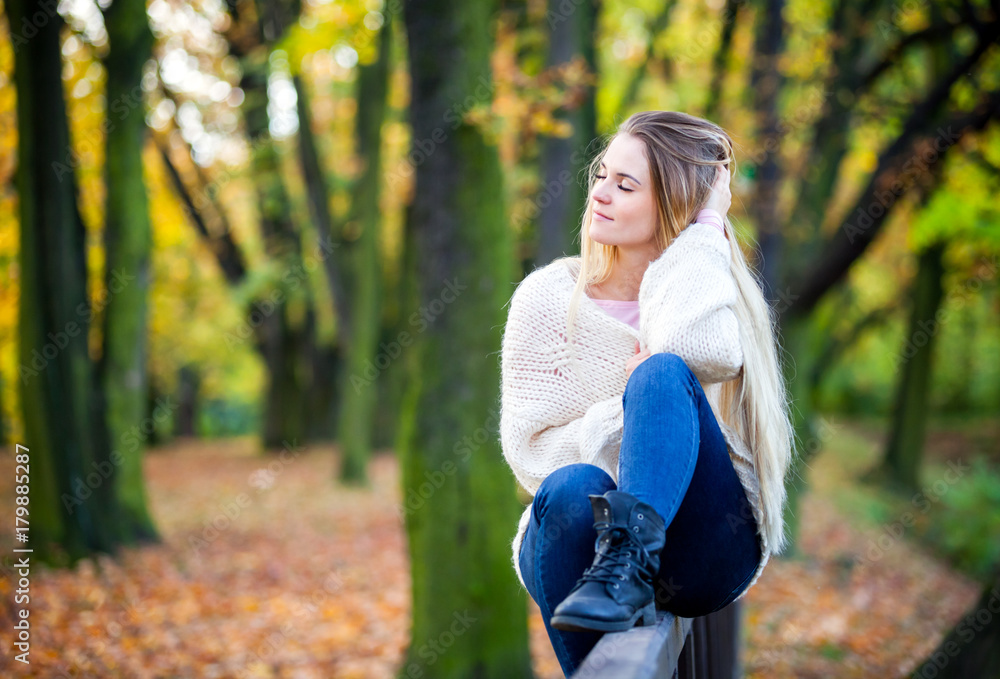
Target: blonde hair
{"points": [[683, 153]]}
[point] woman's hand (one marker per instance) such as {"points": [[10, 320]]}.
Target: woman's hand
{"points": [[721, 197], [634, 362]]}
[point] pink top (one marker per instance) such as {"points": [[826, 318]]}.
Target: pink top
{"points": [[626, 312]]}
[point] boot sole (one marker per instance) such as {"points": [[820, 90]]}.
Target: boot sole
{"points": [[644, 617]]}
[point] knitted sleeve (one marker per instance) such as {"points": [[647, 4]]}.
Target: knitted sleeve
{"points": [[686, 305], [546, 421]]}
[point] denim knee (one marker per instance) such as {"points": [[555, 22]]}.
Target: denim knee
{"points": [[564, 492], [663, 373]]}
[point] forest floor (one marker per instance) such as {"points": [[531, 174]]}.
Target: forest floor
{"points": [[300, 578]]}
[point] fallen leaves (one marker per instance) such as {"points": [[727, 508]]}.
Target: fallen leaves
{"points": [[305, 578]]}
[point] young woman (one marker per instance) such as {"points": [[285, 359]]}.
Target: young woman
{"points": [[642, 401]]}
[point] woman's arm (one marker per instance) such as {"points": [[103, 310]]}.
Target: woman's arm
{"points": [[534, 449], [686, 305], [546, 419]]}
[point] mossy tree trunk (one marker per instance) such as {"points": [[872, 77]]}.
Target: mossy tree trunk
{"points": [[469, 614], [914, 362], [127, 241], [71, 499], [358, 391]]}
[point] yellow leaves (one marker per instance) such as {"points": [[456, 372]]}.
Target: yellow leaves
{"points": [[527, 105], [325, 27], [247, 603], [545, 124], [867, 160]]}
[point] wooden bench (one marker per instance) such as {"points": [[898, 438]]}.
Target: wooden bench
{"points": [[687, 648]]}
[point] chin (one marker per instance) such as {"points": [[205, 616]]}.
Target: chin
{"points": [[600, 235], [609, 240]]}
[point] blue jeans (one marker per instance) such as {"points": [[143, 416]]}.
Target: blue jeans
{"points": [[673, 456]]}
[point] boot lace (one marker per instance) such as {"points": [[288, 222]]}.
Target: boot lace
{"points": [[624, 551]]}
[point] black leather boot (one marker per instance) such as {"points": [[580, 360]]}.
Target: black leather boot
{"points": [[616, 591]]}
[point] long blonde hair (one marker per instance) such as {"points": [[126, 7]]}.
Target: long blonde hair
{"points": [[683, 153]]}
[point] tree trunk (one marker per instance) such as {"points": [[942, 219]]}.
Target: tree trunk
{"points": [[358, 392], [222, 246], [829, 135], [281, 342], [280, 319], [70, 497], [915, 359], [657, 26], [287, 401], [327, 233], [961, 401], [800, 339], [158, 433], [564, 189], [391, 389], [730, 15], [326, 361], [391, 384], [188, 385], [324, 397], [469, 614], [127, 241], [765, 83], [972, 648]]}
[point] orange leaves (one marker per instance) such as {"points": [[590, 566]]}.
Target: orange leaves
{"points": [[529, 104], [308, 581], [312, 580]]}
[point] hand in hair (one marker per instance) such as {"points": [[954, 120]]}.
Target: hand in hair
{"points": [[721, 197]]}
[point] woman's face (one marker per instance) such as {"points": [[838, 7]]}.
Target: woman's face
{"points": [[624, 208]]}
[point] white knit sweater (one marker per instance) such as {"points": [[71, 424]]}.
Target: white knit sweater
{"points": [[556, 411]]}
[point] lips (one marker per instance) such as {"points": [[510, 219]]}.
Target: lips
{"points": [[602, 216]]}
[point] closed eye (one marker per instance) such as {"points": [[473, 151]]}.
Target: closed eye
{"points": [[619, 186]]}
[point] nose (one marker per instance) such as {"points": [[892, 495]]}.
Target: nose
{"points": [[601, 193]]}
